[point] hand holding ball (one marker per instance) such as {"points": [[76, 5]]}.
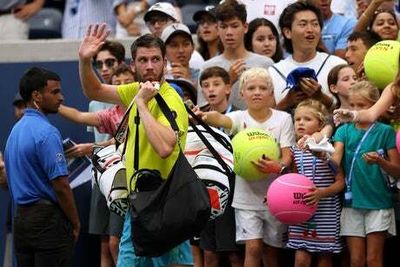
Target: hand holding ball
{"points": [[285, 198], [250, 145]]}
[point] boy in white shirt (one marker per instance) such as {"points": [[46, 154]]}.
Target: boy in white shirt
{"points": [[255, 226]]}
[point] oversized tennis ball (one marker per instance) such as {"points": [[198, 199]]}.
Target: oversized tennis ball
{"points": [[250, 145], [381, 63], [285, 198]]}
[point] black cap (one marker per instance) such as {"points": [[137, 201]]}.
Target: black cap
{"points": [[186, 86], [17, 99], [208, 10]]}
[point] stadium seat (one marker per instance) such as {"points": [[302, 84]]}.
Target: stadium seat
{"points": [[46, 24], [187, 13]]}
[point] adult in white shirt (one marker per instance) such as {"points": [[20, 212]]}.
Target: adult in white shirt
{"points": [[301, 24]]}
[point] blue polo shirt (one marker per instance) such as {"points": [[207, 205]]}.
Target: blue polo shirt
{"points": [[34, 156], [336, 30]]}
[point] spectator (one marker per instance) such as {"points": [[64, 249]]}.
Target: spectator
{"points": [[46, 222], [218, 238], [262, 38], [129, 18], [232, 26], [380, 18], [161, 15], [110, 56], [345, 8], [358, 44], [367, 197], [207, 33], [336, 29], [340, 79], [78, 14], [301, 24], [13, 17], [179, 48], [256, 227]]}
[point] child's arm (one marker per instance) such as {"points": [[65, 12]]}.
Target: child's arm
{"points": [[316, 194], [338, 154], [368, 115], [214, 118], [318, 136], [391, 165], [72, 114]]}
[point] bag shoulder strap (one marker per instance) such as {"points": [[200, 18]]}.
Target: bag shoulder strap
{"points": [[323, 64], [215, 154], [121, 134], [279, 72], [136, 151], [216, 136], [167, 113]]}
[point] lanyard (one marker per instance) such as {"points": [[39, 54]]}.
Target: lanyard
{"points": [[349, 177], [229, 109], [314, 164]]}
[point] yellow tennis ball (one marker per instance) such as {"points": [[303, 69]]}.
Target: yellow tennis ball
{"points": [[250, 145], [381, 63]]}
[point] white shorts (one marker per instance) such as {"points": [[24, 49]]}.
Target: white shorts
{"points": [[256, 224], [361, 222]]}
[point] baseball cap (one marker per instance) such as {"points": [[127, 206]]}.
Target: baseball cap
{"points": [[174, 29], [186, 86], [162, 7], [208, 10]]}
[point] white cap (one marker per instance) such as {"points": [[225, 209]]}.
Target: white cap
{"points": [[163, 7], [173, 29]]}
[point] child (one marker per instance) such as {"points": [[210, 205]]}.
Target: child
{"points": [[218, 237], [255, 226], [216, 88], [106, 121], [340, 78], [368, 213], [319, 236], [390, 96]]}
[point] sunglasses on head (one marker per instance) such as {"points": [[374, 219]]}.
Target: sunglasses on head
{"points": [[109, 62]]}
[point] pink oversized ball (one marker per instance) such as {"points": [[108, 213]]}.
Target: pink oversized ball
{"points": [[285, 198], [398, 141]]}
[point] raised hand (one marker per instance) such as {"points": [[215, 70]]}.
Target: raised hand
{"points": [[236, 69], [95, 37], [344, 115]]}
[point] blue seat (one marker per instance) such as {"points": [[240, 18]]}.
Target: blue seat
{"points": [[187, 14], [46, 24]]}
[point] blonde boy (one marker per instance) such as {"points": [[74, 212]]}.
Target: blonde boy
{"points": [[255, 226]]}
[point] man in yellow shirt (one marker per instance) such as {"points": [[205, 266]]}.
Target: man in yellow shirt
{"points": [[158, 146]]}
